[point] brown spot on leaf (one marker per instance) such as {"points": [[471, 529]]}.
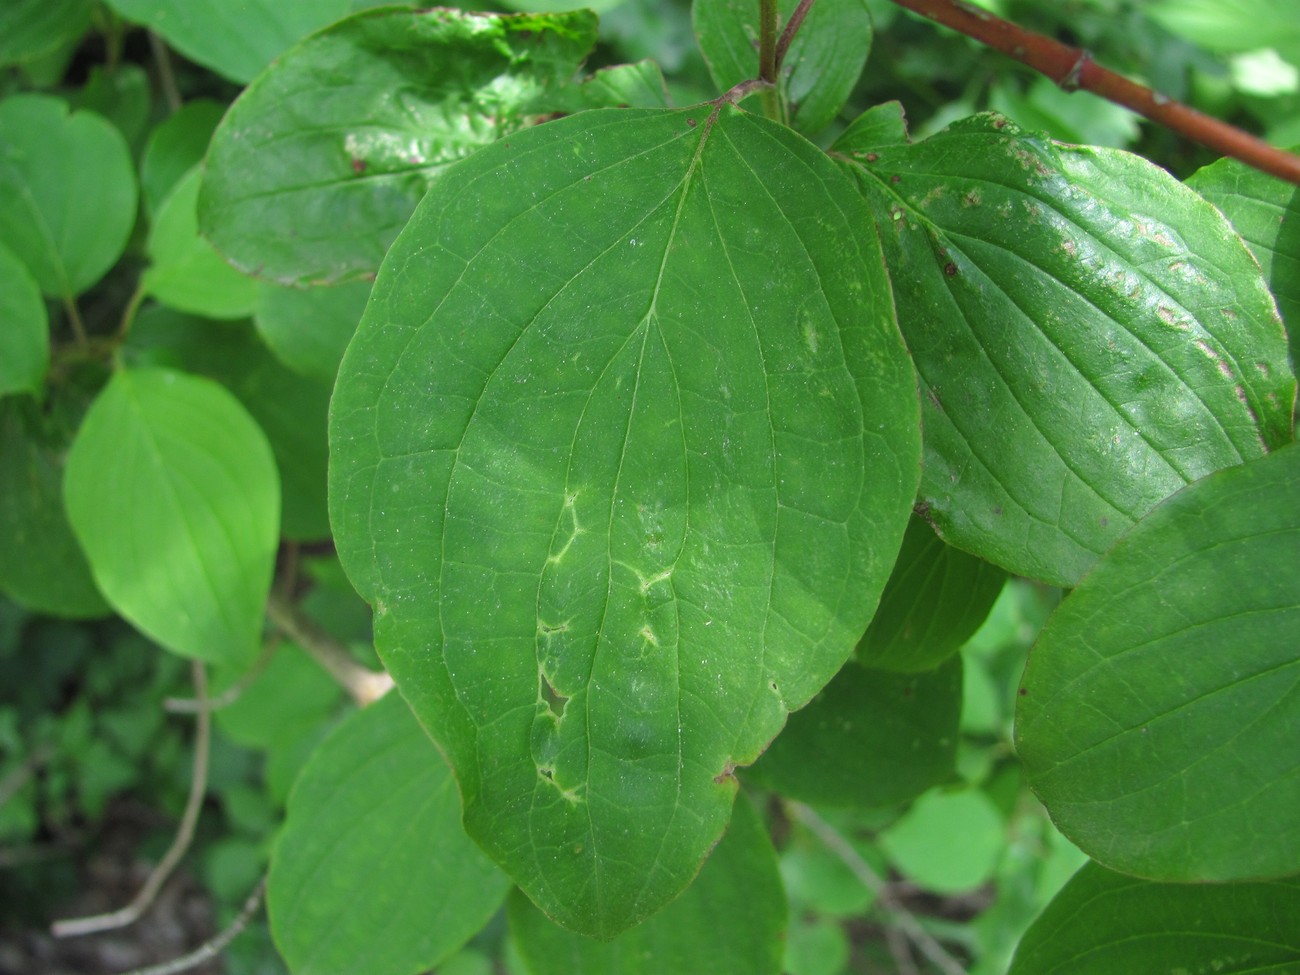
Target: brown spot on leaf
{"points": [[358, 166]]}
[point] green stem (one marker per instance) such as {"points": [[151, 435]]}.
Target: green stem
{"points": [[74, 320], [128, 315]]}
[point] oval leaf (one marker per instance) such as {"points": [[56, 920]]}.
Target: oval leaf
{"points": [[32, 29], [68, 220], [730, 921], [321, 161], [1102, 923], [41, 564], [1091, 337], [936, 598], [308, 328], [1265, 211], [172, 490], [1158, 710], [236, 41], [24, 328], [821, 67], [644, 504], [185, 272], [871, 738], [372, 842]]}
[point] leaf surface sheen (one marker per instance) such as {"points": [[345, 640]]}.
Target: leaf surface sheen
{"points": [[322, 159], [622, 454], [1091, 338]]}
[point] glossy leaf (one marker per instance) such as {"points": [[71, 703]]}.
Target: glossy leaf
{"points": [[31, 29], [1266, 212], [372, 843], [1091, 337], [41, 564], [171, 489], [320, 162], [820, 69], [1103, 923], [185, 273], [871, 738], [308, 328], [236, 41], [645, 505], [67, 220], [730, 921], [1158, 710], [935, 600], [24, 328]]}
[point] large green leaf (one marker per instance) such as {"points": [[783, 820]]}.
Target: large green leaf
{"points": [[622, 453], [172, 490], [372, 872], [234, 40], [321, 160], [1102, 923], [730, 921], [936, 599], [24, 328], [67, 218], [41, 564], [1266, 212], [1159, 709], [1091, 337], [821, 67], [871, 738]]}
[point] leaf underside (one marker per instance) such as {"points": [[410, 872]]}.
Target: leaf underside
{"points": [[622, 454]]}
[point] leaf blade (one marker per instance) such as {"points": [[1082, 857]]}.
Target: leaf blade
{"points": [[1091, 336], [1187, 772], [659, 482], [172, 491]]}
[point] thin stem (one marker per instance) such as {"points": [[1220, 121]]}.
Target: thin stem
{"points": [[193, 705], [1073, 68], [364, 685], [214, 946], [132, 307], [900, 916], [166, 77], [767, 40], [791, 28], [74, 320], [184, 833]]}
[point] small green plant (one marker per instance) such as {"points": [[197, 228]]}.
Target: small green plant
{"points": [[677, 452]]}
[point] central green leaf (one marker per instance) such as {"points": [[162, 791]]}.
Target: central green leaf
{"points": [[623, 452]]}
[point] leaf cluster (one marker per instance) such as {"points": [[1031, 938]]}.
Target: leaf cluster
{"points": [[702, 476]]}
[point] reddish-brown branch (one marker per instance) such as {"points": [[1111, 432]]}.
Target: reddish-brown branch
{"points": [[1072, 68]]}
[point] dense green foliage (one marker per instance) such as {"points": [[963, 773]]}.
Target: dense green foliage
{"points": [[700, 466]]}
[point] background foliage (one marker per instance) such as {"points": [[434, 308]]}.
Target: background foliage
{"points": [[164, 453]]}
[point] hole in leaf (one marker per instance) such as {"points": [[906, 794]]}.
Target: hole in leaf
{"points": [[553, 698]]}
